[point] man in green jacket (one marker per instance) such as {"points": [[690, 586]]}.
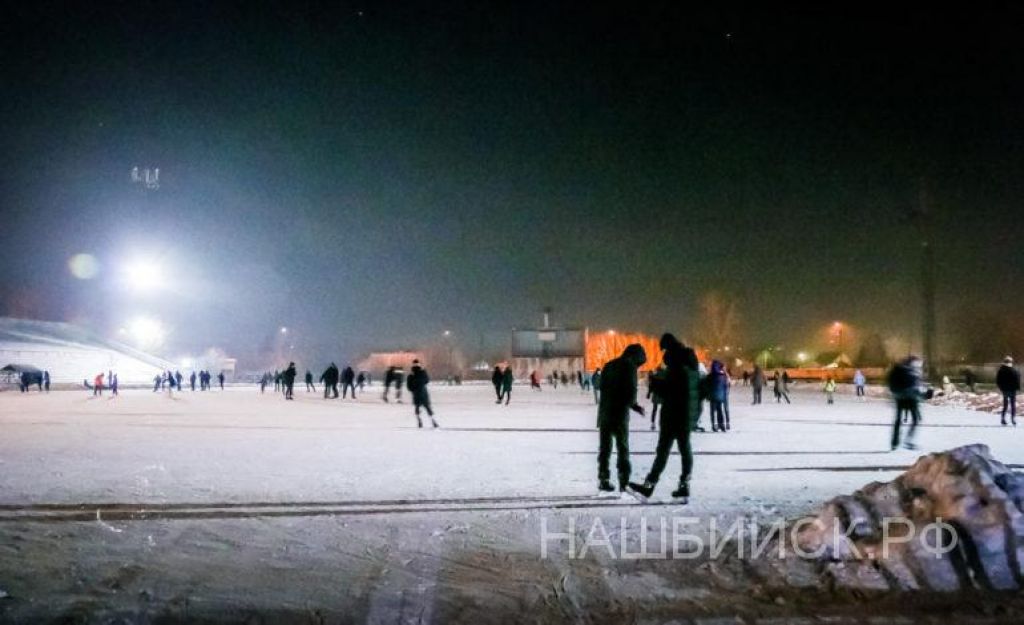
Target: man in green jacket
{"points": [[618, 397]]}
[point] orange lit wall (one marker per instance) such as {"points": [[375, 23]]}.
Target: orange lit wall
{"points": [[603, 347]]}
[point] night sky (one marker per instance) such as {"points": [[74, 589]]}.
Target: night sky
{"points": [[371, 174]]}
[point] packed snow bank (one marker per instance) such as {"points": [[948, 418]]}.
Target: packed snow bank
{"points": [[991, 402], [953, 521]]}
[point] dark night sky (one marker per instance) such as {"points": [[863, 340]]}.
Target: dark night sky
{"points": [[373, 173]]}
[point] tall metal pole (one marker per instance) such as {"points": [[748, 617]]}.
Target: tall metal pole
{"points": [[927, 283]]}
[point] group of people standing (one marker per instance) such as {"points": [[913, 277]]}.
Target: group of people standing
{"points": [[175, 380], [332, 376], [28, 379], [502, 382]]}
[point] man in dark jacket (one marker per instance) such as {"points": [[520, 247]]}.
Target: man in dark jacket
{"points": [[389, 379], [348, 379], [905, 386], [618, 397], [497, 378], [309, 381], [677, 387], [1008, 381], [417, 384], [757, 381], [330, 380], [507, 379], [287, 379]]}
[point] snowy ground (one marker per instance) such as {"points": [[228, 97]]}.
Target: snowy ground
{"points": [[235, 505]]}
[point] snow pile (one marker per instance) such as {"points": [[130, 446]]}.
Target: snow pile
{"points": [[962, 508], [982, 402]]}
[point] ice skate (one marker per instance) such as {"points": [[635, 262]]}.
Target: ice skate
{"points": [[682, 494], [645, 490], [434, 422], [419, 422]]}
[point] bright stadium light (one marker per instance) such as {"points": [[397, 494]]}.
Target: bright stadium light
{"points": [[146, 332], [142, 276]]}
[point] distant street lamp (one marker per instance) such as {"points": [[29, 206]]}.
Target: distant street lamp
{"points": [[284, 330], [448, 336]]}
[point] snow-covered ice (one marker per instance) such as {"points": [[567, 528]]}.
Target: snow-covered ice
{"points": [[220, 502]]}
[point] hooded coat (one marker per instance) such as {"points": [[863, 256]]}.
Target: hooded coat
{"points": [[619, 386], [679, 386]]}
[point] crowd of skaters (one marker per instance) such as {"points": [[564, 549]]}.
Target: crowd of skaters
{"points": [[677, 390]]}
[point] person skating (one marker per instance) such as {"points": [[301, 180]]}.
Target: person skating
{"points": [[677, 386], [535, 381], [757, 383], [497, 378], [220, 380], [264, 379], [389, 379], [360, 382], [507, 378], [192, 381], [781, 387], [348, 378], [859, 381], [46, 381], [653, 395], [830, 390], [177, 379], [718, 396], [330, 378], [595, 383], [309, 382], [113, 384], [906, 388], [417, 385], [971, 380], [399, 379], [618, 397], [287, 380], [97, 385], [1008, 382]]}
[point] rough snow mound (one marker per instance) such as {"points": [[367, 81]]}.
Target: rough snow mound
{"points": [[983, 402], [901, 534]]}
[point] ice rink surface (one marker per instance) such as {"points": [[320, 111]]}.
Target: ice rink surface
{"points": [[230, 505], [239, 446]]}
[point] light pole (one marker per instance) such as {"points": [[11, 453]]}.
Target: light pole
{"points": [[448, 340]]}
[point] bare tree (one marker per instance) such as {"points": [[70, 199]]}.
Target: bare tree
{"points": [[718, 324]]}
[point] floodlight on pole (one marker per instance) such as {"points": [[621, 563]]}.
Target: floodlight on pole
{"points": [[142, 276]]}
